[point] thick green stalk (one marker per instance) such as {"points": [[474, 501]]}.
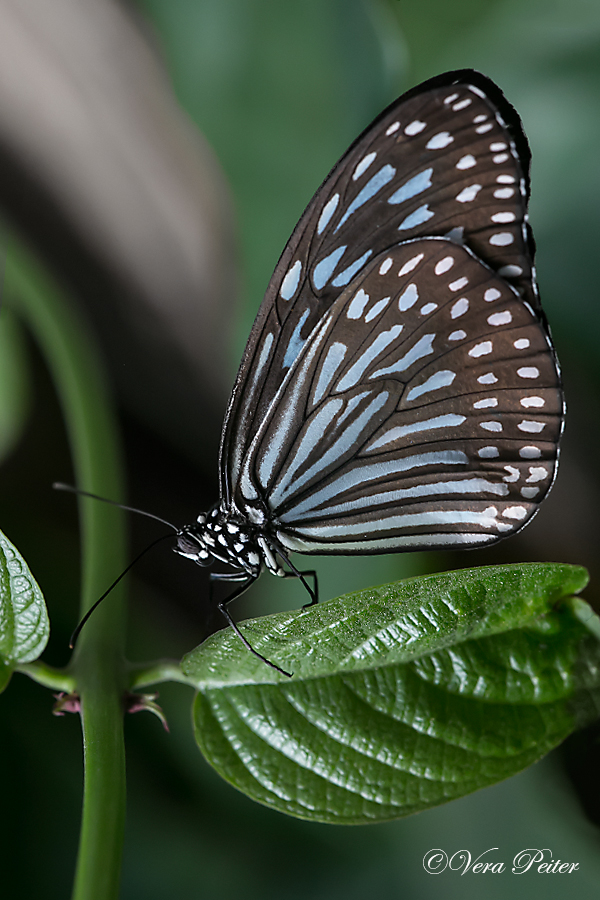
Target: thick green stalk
{"points": [[97, 667]]}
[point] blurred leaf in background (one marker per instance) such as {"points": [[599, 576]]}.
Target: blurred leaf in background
{"points": [[105, 175]]}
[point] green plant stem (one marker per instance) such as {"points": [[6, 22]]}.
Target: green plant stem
{"points": [[55, 679], [97, 666], [144, 674]]}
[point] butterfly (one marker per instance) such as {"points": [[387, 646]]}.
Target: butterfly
{"points": [[399, 389]]}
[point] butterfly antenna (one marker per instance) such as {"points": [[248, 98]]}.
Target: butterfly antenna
{"points": [[77, 631], [59, 486]]}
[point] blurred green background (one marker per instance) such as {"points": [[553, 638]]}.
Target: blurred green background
{"points": [[279, 90]]}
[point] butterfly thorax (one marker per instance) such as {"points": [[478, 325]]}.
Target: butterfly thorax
{"points": [[227, 537]]}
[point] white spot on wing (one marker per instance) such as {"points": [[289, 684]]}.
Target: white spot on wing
{"points": [[393, 128], [488, 403], [385, 266], [415, 127], [459, 335], [502, 239], [491, 426], [528, 493], [483, 129], [530, 452], [363, 165], [444, 265], [469, 193], [408, 298], [328, 210], [515, 512], [537, 473], [358, 305], [533, 401], [531, 427], [510, 271], [377, 308], [503, 218], [459, 284], [289, 285], [491, 294], [522, 344], [439, 141], [428, 308], [459, 308], [503, 193], [488, 378], [528, 372], [482, 349], [410, 265], [466, 162], [462, 104], [500, 318], [489, 452]]}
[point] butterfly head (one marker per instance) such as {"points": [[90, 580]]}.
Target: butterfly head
{"points": [[219, 535], [191, 543]]}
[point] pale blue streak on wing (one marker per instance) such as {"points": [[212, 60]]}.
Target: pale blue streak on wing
{"points": [[286, 425], [362, 473], [487, 518], [237, 449], [412, 187], [355, 373], [418, 217], [406, 542], [441, 379], [400, 495], [344, 442], [331, 363], [296, 343], [423, 347], [451, 420], [312, 437], [328, 210], [348, 274], [323, 271], [372, 187]]}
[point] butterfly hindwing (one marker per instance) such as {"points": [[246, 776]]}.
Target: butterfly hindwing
{"points": [[424, 410], [447, 159]]}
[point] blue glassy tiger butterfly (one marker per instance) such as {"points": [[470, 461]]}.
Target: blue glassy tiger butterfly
{"points": [[399, 389]]}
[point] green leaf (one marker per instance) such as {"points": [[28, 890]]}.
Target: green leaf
{"points": [[24, 626], [403, 696]]}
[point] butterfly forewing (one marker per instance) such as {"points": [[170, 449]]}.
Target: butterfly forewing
{"points": [[423, 411], [448, 159]]}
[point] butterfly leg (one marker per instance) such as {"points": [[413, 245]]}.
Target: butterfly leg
{"points": [[248, 580], [313, 592]]}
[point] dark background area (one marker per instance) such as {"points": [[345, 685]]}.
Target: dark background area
{"points": [[278, 91]]}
